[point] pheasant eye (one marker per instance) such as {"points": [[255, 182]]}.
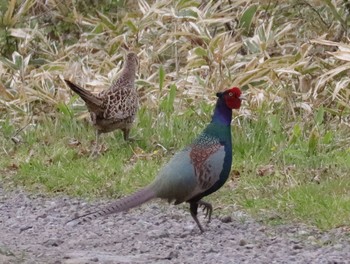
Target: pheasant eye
{"points": [[230, 94]]}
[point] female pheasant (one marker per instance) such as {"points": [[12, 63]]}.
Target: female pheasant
{"points": [[116, 107], [193, 173]]}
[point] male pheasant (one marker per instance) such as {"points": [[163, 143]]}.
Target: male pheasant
{"points": [[193, 173], [116, 107]]}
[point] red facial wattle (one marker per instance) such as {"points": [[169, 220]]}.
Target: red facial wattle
{"points": [[232, 98]]}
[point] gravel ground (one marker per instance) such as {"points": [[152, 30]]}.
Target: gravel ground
{"points": [[33, 231]]}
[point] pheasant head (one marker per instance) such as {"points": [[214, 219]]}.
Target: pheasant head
{"points": [[227, 100]]}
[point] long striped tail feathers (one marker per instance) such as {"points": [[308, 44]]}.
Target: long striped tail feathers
{"points": [[123, 204]]}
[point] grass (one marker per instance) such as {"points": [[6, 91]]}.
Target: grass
{"points": [[53, 156], [299, 180], [291, 151]]}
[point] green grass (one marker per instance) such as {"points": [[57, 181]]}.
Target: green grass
{"points": [[325, 205], [308, 183], [46, 161]]}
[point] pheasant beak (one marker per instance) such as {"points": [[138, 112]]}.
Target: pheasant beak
{"points": [[242, 97]]}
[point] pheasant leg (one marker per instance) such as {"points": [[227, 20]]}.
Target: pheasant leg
{"points": [[96, 148], [126, 133], [207, 209], [194, 211]]}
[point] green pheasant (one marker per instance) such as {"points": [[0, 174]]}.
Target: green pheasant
{"points": [[193, 173]]}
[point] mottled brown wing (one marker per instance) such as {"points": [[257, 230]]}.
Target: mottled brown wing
{"points": [[207, 161], [121, 103]]}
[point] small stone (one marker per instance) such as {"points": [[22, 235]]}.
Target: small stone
{"points": [[302, 232], [226, 219], [262, 229], [172, 255], [25, 228], [95, 259], [311, 238], [189, 227], [109, 223], [53, 242], [211, 250], [297, 246], [42, 216], [249, 246], [242, 242], [158, 234], [327, 242], [183, 235], [338, 246]]}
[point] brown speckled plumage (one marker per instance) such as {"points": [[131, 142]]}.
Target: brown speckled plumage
{"points": [[116, 107]]}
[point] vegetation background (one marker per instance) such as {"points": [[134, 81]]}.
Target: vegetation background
{"points": [[291, 137]]}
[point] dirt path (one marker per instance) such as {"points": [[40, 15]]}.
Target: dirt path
{"points": [[33, 231]]}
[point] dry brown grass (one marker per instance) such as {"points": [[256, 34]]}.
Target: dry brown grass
{"points": [[290, 55]]}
